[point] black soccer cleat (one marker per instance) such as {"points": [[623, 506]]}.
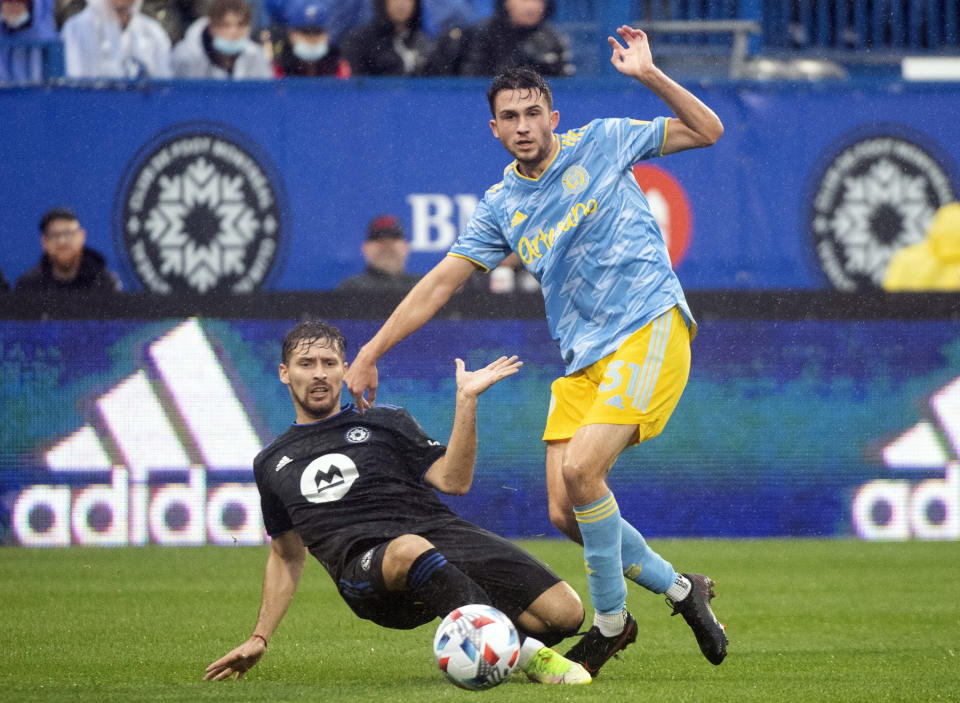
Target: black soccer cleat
{"points": [[695, 609], [594, 650]]}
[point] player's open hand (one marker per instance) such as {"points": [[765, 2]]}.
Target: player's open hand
{"points": [[634, 59], [473, 383], [238, 662], [362, 378]]}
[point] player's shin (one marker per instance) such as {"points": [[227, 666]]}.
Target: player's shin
{"points": [[441, 585], [641, 564], [600, 527]]}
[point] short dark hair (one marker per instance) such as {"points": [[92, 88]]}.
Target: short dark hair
{"points": [[57, 213], [518, 78], [309, 332], [221, 8]]}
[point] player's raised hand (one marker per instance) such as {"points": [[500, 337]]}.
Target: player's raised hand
{"points": [[362, 377], [634, 59], [238, 662], [473, 383]]}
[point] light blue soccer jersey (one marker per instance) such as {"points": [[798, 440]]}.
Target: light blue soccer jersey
{"points": [[584, 229]]}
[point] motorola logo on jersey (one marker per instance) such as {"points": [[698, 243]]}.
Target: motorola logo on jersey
{"points": [[670, 206], [200, 210], [875, 195], [328, 478]]}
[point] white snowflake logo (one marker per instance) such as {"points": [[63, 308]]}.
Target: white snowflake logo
{"points": [[356, 435], [202, 214], [883, 186], [201, 185]]}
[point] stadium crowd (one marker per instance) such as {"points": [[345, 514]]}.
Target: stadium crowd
{"points": [[263, 39]]}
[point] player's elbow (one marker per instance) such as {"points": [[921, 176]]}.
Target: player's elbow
{"points": [[450, 477], [711, 135], [456, 488]]}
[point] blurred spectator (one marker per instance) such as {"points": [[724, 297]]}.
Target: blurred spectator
{"points": [[65, 9], [4, 286], [342, 15], [438, 15], [67, 264], [934, 263], [518, 34], [449, 52], [393, 43], [306, 49], [114, 39], [219, 45], [385, 251], [175, 15], [26, 20]]}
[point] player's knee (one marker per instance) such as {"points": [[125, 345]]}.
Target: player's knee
{"points": [[399, 557], [569, 614], [556, 614], [578, 473]]}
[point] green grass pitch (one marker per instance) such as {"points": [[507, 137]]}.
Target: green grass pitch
{"points": [[808, 620]]}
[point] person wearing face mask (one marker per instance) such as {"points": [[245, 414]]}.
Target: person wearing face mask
{"points": [[219, 45], [305, 47], [392, 44], [114, 39], [24, 20]]}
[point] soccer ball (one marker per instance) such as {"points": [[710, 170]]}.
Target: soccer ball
{"points": [[476, 646]]}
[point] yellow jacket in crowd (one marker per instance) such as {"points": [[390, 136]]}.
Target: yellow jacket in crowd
{"points": [[934, 263]]}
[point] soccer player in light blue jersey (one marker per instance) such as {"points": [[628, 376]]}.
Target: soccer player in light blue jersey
{"points": [[571, 209]]}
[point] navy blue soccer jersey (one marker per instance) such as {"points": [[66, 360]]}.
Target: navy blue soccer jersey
{"points": [[350, 482], [585, 230]]}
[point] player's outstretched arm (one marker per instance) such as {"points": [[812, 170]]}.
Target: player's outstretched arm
{"points": [[453, 472], [420, 304], [696, 124], [280, 580]]}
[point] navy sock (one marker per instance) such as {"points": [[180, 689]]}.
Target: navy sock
{"points": [[441, 585]]}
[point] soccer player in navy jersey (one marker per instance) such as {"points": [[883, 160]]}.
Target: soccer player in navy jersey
{"points": [[357, 492], [571, 209]]}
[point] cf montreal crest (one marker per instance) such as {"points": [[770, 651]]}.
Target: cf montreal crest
{"points": [[356, 435], [328, 478], [876, 194], [200, 210]]}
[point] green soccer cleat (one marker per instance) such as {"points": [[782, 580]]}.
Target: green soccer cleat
{"points": [[549, 666]]}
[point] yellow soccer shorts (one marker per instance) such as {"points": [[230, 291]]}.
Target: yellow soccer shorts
{"points": [[638, 384]]}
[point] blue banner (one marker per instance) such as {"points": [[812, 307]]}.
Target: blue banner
{"points": [[135, 432], [225, 187]]}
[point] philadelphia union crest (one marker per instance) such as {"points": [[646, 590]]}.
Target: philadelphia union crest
{"points": [[200, 210], [875, 194]]}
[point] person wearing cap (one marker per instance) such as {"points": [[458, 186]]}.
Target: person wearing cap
{"points": [[385, 251], [67, 264], [306, 48], [219, 45], [27, 20]]}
